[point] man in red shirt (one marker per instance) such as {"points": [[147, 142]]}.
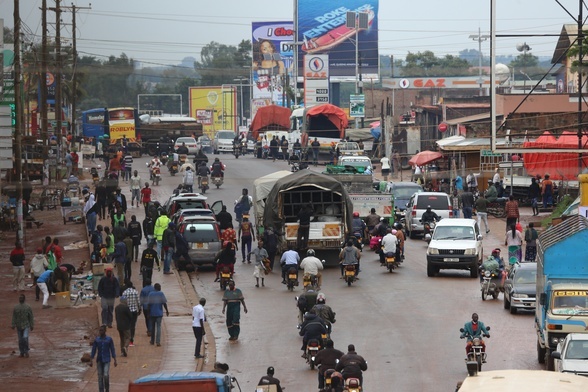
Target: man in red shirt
{"points": [[56, 249], [146, 196]]}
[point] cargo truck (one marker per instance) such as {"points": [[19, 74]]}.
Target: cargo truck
{"points": [[562, 285]]}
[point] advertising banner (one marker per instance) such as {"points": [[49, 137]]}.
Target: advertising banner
{"points": [[357, 105], [273, 61], [214, 107], [316, 79], [322, 30]]}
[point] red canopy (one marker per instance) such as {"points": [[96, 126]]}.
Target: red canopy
{"points": [[559, 166], [273, 116], [424, 157], [334, 114]]}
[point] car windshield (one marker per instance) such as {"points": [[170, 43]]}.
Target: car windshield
{"points": [[405, 192], [577, 349], [185, 204], [525, 276], [201, 232], [226, 135], [570, 302], [454, 233], [185, 140], [348, 146]]}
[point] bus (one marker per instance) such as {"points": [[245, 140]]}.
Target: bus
{"points": [[115, 123]]}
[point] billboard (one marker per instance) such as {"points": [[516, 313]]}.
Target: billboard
{"points": [[214, 107], [273, 61], [322, 30], [316, 79]]}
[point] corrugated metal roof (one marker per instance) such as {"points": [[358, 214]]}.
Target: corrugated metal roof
{"points": [[557, 233], [475, 144], [467, 119]]}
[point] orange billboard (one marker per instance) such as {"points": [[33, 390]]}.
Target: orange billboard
{"points": [[214, 107]]}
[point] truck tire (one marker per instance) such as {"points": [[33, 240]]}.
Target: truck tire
{"points": [[506, 303], [549, 363], [540, 353]]}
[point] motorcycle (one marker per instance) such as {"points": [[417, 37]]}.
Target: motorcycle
{"points": [[265, 152], [225, 277], [352, 385], [497, 208], [310, 282], [476, 356], [95, 175], [173, 168], [428, 227], [244, 147], [491, 284], [204, 184], [217, 181], [164, 158], [312, 348], [292, 279], [236, 150], [156, 175], [350, 273], [333, 381], [390, 261]]}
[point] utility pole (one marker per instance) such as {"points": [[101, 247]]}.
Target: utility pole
{"points": [[19, 119], [480, 38], [58, 74]]}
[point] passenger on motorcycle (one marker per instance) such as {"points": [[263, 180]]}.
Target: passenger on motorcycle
{"points": [[183, 149], [492, 265], [348, 256], [474, 329], [305, 302], [297, 149], [289, 260], [188, 180], [352, 365], [312, 266], [388, 245], [217, 168], [225, 258], [313, 327], [491, 193], [324, 311], [154, 164], [401, 238], [380, 229], [325, 360], [358, 226], [200, 157], [430, 216], [203, 171]]}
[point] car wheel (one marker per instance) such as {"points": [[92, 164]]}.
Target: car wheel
{"points": [[412, 235], [506, 302], [474, 271], [549, 361], [513, 310], [431, 270], [540, 353]]}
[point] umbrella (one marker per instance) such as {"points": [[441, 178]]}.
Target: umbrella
{"points": [[424, 157], [375, 124], [376, 132]]}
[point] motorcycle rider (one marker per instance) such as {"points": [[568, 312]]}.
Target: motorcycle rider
{"points": [[430, 216], [155, 163], [188, 180], [351, 365], [388, 245], [182, 150], [325, 360], [297, 149], [380, 229], [491, 193], [312, 266], [324, 311], [492, 265], [290, 259], [217, 168], [349, 255], [474, 329], [225, 258], [372, 220], [270, 379], [313, 327], [203, 171], [401, 238], [358, 226], [305, 302], [200, 157]]}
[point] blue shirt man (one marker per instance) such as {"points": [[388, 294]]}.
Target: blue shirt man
{"points": [[157, 302], [144, 300], [103, 346]]}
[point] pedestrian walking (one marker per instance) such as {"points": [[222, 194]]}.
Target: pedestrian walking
{"points": [[169, 246], [531, 236], [455, 203], [514, 240], [270, 243], [148, 259], [39, 264], [90, 210], [512, 212], [315, 147], [128, 165], [182, 248], [17, 258], [259, 270], [467, 203], [108, 291], [547, 191], [102, 199], [534, 194], [55, 249], [135, 188], [482, 212], [247, 234], [157, 302], [120, 257], [44, 281], [198, 319], [23, 321], [144, 300], [136, 234], [146, 197], [148, 226], [124, 319], [134, 304], [385, 162], [232, 300], [129, 257], [161, 224], [109, 242], [103, 350]]}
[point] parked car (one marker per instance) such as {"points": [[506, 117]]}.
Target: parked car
{"points": [[571, 355], [204, 241], [182, 214], [205, 144], [402, 192], [223, 141], [187, 201], [190, 143], [455, 244], [418, 204], [520, 287]]}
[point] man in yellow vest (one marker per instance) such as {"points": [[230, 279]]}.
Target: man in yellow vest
{"points": [[160, 225]]}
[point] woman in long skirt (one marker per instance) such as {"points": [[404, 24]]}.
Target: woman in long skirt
{"points": [[531, 241], [514, 240]]}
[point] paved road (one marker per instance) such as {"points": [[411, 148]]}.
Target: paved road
{"points": [[405, 324]]}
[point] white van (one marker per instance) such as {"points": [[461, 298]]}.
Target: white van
{"points": [[223, 141], [439, 202]]}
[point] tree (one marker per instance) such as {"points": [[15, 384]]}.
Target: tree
{"points": [[8, 35], [429, 65], [220, 64], [183, 87], [525, 60]]}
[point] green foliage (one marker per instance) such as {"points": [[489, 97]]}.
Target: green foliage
{"points": [[562, 205], [575, 52], [525, 60], [220, 64], [427, 64], [8, 35]]}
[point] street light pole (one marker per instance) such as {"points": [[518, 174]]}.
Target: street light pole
{"points": [[480, 38]]}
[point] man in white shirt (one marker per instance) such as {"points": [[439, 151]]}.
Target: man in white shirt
{"points": [[312, 265], [289, 260], [198, 319], [388, 245], [385, 167]]}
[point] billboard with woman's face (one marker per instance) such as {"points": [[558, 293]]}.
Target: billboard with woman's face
{"points": [[272, 61]]}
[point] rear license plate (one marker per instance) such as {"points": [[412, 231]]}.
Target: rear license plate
{"points": [[200, 245], [292, 276], [349, 273], [450, 259], [225, 276]]}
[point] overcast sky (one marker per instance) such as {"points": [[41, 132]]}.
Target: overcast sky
{"points": [[164, 32]]}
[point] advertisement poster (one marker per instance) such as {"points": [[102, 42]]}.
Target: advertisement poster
{"points": [[322, 30], [357, 105], [273, 61], [215, 108]]}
